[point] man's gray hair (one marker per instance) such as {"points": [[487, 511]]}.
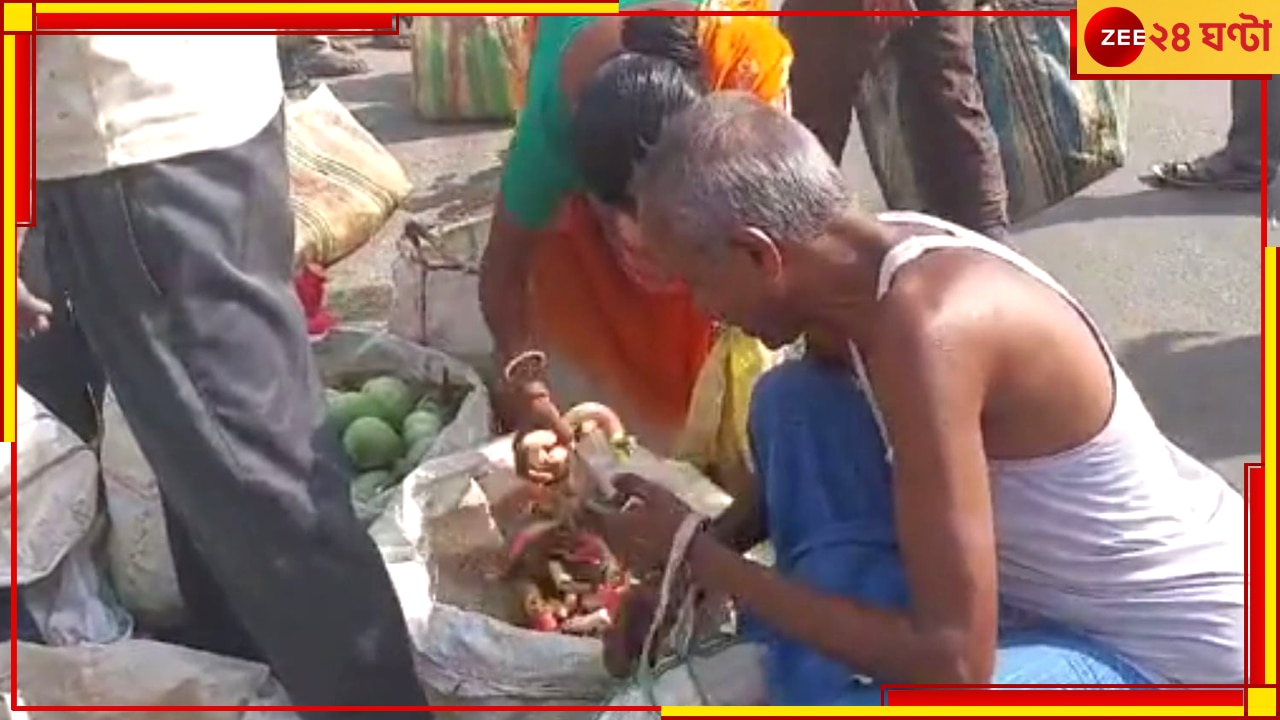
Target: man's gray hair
{"points": [[732, 161]]}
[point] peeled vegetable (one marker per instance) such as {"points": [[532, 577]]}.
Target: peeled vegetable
{"points": [[542, 458], [393, 396], [372, 444], [574, 585]]}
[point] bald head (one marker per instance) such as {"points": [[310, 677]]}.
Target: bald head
{"points": [[732, 162]]}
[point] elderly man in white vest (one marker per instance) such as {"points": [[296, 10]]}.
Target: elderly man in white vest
{"points": [[963, 486]]}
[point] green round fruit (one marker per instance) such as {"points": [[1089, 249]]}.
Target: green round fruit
{"points": [[346, 407], [330, 395], [413, 457], [420, 424], [367, 485], [393, 395], [372, 444]]}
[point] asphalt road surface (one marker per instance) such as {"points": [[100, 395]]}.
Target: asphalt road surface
{"points": [[1172, 277]]}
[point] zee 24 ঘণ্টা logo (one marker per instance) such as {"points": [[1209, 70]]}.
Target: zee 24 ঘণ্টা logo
{"points": [[1115, 37]]}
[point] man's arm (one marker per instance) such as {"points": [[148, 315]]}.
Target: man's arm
{"points": [[930, 385], [742, 525]]}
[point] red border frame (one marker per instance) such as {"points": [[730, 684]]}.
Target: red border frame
{"points": [[215, 23], [946, 695]]}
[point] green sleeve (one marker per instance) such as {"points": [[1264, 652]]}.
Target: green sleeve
{"points": [[539, 172]]}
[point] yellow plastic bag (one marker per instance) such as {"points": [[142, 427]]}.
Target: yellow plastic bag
{"points": [[715, 432]]}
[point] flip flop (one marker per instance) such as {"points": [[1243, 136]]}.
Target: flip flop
{"points": [[1202, 173]]}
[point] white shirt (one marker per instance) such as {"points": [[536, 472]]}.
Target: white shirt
{"points": [[111, 101]]}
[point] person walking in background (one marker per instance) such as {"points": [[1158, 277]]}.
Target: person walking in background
{"points": [[1239, 164], [306, 57], [953, 147], [163, 197]]}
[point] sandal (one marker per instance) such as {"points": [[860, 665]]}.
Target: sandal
{"points": [[1208, 172]]}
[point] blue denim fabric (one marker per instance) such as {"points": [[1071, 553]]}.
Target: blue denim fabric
{"points": [[827, 489]]}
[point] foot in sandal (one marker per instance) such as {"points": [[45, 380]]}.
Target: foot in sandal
{"points": [[1217, 171]]}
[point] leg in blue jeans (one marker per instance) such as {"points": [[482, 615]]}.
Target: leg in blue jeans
{"points": [[826, 486]]}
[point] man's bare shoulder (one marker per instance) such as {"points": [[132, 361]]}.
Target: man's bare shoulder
{"points": [[965, 319], [944, 297]]}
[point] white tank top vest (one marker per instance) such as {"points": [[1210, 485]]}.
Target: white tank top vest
{"points": [[1125, 538]]}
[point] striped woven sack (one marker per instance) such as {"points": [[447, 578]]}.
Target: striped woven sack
{"points": [[343, 184], [468, 68], [1056, 135]]}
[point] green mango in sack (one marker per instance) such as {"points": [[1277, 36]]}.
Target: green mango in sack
{"points": [[470, 68]]}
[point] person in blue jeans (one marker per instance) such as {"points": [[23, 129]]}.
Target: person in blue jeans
{"points": [[960, 482]]}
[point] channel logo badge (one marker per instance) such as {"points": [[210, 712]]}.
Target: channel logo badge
{"points": [[1114, 37], [1169, 38]]}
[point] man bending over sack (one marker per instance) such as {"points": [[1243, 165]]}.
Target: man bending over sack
{"points": [[962, 485]]}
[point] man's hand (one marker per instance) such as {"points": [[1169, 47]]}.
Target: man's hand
{"points": [[624, 640], [33, 313], [642, 532]]}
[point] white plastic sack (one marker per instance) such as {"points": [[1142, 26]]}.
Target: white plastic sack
{"points": [[56, 487], [141, 672], [140, 563], [75, 605], [58, 524], [436, 279], [6, 701], [465, 656], [137, 543], [723, 676]]}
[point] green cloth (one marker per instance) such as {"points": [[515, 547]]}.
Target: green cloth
{"points": [[539, 172]]}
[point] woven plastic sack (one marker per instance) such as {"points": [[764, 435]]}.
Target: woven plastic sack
{"points": [[467, 657], [436, 296], [137, 543], [470, 68], [138, 673], [344, 184], [1056, 135], [137, 546], [55, 484], [722, 673]]}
